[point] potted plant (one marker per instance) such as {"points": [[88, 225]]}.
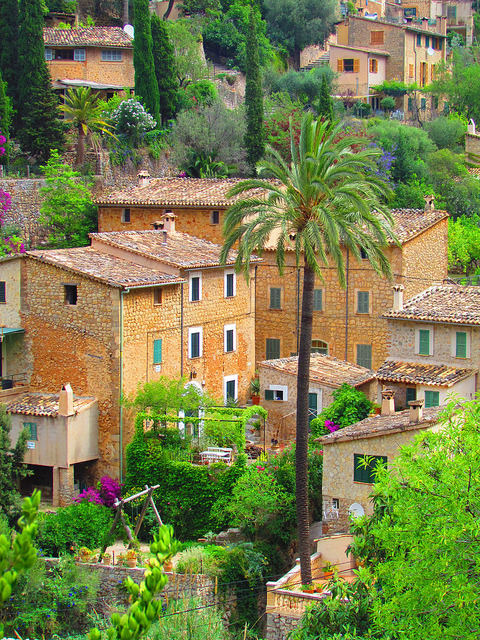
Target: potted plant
{"points": [[255, 390], [255, 426], [131, 558], [307, 588], [327, 569], [84, 554], [107, 558]]}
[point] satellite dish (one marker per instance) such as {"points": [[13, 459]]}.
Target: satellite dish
{"points": [[356, 510], [430, 51], [128, 30]]}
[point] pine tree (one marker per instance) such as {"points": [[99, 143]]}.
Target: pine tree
{"points": [[325, 103], [11, 462], [146, 86], [165, 72], [255, 135], [9, 47], [5, 118]]}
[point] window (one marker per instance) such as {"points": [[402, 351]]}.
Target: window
{"points": [[319, 346], [427, 42], [364, 355], [111, 55], [126, 215], [70, 294], [272, 348], [312, 406], [317, 300], [446, 108], [377, 37], [419, 40], [410, 394], [277, 392], [48, 54], [363, 254], [351, 64], [157, 296], [461, 344], [335, 503], [3, 293], [157, 351], [215, 217], [410, 104], [373, 65], [31, 428], [79, 55], [230, 284], [230, 386], [229, 338], [363, 302], [423, 73], [275, 298], [434, 102], [364, 467], [432, 399], [423, 104], [424, 342], [411, 69], [195, 339], [195, 289]]}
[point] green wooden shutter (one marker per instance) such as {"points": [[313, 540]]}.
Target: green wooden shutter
{"points": [[229, 340], [411, 394], [157, 351], [275, 298], [272, 348], [268, 394], [363, 302], [364, 355], [432, 398], [195, 345], [461, 344], [366, 472], [317, 300], [424, 342]]}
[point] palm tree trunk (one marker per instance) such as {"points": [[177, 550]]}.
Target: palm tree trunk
{"points": [[301, 466], [80, 157]]}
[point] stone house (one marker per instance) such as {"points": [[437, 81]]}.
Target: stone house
{"points": [[347, 323], [358, 69], [415, 50], [434, 345], [130, 308], [278, 389], [96, 57], [347, 484]]}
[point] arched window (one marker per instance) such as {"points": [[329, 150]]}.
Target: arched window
{"points": [[319, 346]]}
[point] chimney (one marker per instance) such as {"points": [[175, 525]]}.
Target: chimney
{"points": [[429, 203], [416, 410], [471, 127], [398, 290], [164, 240], [388, 403], [65, 401], [424, 23], [360, 11], [157, 225], [168, 220], [143, 178]]}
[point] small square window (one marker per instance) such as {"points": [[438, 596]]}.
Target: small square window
{"points": [[363, 254], [48, 54], [3, 292], [319, 346], [317, 300], [157, 351], [432, 399], [79, 55], [70, 294], [410, 394], [126, 215], [215, 217], [275, 298], [424, 342], [31, 428], [363, 302], [336, 503], [272, 348], [157, 296], [111, 55], [365, 467]]}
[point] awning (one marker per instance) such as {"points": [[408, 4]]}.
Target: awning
{"points": [[7, 331]]}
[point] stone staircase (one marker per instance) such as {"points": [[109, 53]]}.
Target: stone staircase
{"points": [[319, 62]]}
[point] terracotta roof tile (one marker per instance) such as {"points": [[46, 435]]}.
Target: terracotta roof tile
{"points": [[176, 249], [44, 404], [87, 37], [324, 370], [410, 222], [437, 375], [454, 303], [383, 425], [112, 270]]}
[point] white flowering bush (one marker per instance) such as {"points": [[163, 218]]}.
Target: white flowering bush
{"points": [[132, 120]]}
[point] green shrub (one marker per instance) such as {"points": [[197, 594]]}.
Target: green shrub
{"points": [[189, 618], [349, 406], [446, 132], [81, 524], [200, 559]]}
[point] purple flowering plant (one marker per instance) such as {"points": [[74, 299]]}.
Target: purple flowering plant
{"points": [[8, 244], [331, 426], [107, 492]]}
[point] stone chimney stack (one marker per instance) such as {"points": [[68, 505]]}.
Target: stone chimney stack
{"points": [[388, 402], [416, 410], [471, 127], [429, 203], [398, 290], [143, 178], [168, 220], [65, 401]]}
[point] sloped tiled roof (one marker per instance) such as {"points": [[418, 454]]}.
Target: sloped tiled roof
{"points": [[377, 52], [437, 375], [171, 192], [176, 249], [87, 37], [453, 303], [382, 425], [324, 370], [411, 222], [114, 271], [44, 404]]}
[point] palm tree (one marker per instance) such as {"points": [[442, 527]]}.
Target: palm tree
{"points": [[81, 106], [326, 200]]}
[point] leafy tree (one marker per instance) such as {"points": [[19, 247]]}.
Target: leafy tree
{"points": [[195, 7], [451, 180], [255, 134], [325, 102], [464, 244], [328, 195], [146, 86], [349, 406], [189, 64], [67, 208], [294, 24], [82, 108], [281, 114], [11, 463], [5, 120], [446, 132], [166, 395], [131, 120], [9, 48], [387, 104], [305, 86], [164, 63]]}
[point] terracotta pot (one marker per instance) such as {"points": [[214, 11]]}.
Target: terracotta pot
{"points": [[132, 563], [168, 565], [107, 560], [327, 575], [256, 400]]}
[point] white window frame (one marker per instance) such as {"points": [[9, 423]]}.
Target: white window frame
{"points": [[229, 327], [430, 340], [229, 272], [191, 275], [48, 53], [454, 343], [108, 55], [279, 387], [226, 379], [191, 331], [79, 55]]}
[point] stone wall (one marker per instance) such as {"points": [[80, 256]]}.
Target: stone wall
{"points": [[279, 626], [94, 69], [25, 210], [472, 147]]}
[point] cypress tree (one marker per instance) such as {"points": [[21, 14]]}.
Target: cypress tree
{"points": [[255, 135], [146, 86], [5, 113], [9, 47], [165, 72], [325, 103]]}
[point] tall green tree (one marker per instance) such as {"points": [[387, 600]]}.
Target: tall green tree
{"points": [[325, 102], [165, 72], [9, 47], [5, 119], [145, 80], [255, 134], [326, 200], [11, 463]]}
